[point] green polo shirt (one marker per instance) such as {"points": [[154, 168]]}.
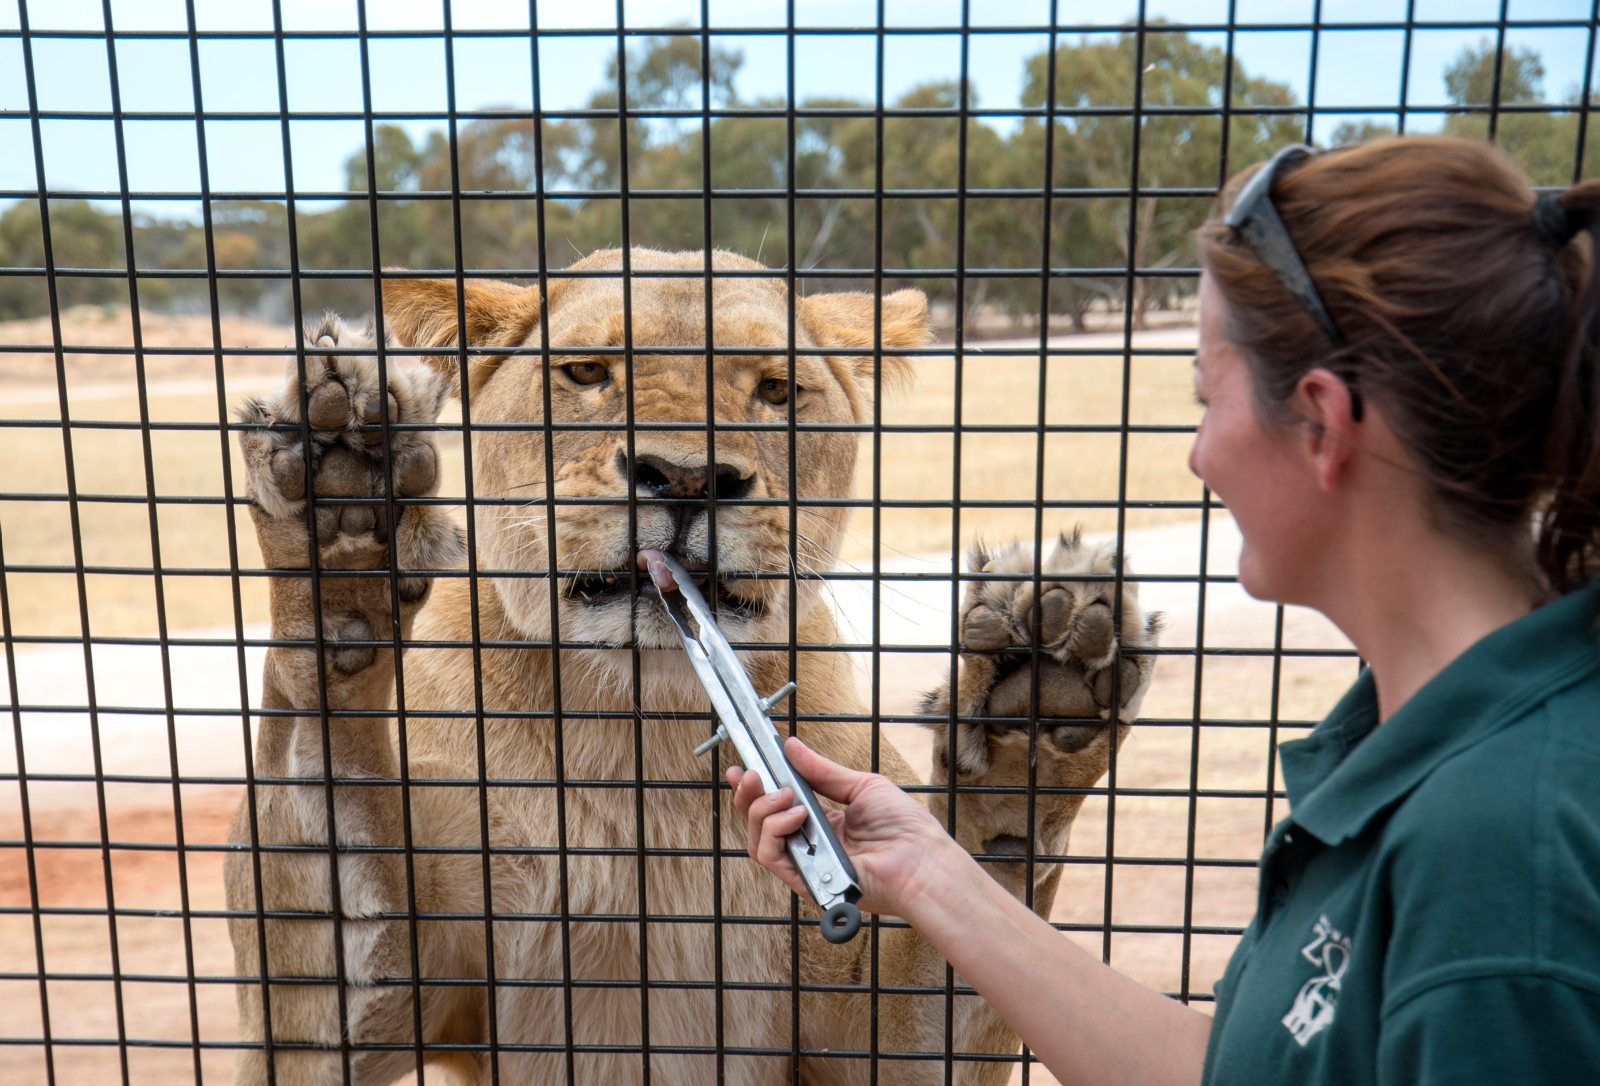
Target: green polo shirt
{"points": [[1429, 912]]}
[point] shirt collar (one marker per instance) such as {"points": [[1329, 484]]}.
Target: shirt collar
{"points": [[1348, 769]]}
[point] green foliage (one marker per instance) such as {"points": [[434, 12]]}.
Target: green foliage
{"points": [[1470, 78], [1096, 151], [1544, 144], [666, 160], [1365, 130], [81, 237]]}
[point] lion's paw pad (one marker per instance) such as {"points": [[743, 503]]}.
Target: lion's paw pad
{"points": [[1083, 665], [344, 409]]}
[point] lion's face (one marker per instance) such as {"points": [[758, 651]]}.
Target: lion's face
{"points": [[691, 485]]}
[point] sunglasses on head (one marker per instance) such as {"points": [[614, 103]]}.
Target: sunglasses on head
{"points": [[1255, 217]]}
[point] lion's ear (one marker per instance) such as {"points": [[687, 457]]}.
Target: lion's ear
{"points": [[424, 312], [847, 320]]}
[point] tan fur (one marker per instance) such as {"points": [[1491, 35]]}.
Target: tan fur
{"points": [[423, 313], [586, 836]]}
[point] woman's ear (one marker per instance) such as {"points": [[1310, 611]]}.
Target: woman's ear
{"points": [[1325, 401], [425, 312], [852, 320]]}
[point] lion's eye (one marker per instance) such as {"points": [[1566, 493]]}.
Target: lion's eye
{"points": [[587, 373], [775, 390]]}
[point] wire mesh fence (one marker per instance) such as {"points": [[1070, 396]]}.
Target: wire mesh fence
{"points": [[398, 637]]}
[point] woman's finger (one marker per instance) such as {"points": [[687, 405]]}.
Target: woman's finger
{"points": [[746, 790], [771, 850], [736, 779], [759, 811], [827, 778], [744, 796]]}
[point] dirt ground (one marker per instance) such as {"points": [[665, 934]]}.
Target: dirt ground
{"points": [[160, 1010], [152, 950]]}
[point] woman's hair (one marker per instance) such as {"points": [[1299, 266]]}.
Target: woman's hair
{"points": [[1468, 315]]}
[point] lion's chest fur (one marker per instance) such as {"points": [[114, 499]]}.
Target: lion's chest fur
{"points": [[593, 824]]}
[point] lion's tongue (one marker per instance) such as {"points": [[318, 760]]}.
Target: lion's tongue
{"points": [[656, 563]]}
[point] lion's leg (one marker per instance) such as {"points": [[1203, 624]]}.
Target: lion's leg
{"points": [[309, 1011], [1085, 658], [308, 736], [606, 1025]]}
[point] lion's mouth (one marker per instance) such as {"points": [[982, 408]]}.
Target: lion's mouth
{"points": [[604, 588]]}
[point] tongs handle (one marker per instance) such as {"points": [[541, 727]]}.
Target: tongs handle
{"points": [[814, 848]]}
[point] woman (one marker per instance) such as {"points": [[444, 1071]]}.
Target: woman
{"points": [[1409, 440]]}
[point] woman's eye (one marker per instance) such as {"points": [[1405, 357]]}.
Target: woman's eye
{"points": [[775, 390], [587, 373]]}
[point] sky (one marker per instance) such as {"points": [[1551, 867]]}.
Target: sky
{"points": [[1356, 68]]}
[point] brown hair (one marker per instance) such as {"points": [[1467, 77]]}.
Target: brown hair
{"points": [[1471, 327]]}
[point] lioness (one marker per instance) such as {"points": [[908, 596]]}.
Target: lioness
{"points": [[482, 750]]}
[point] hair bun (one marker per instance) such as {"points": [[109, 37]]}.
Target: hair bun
{"points": [[1554, 224]]}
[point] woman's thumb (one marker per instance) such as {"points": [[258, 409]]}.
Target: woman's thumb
{"points": [[827, 778]]}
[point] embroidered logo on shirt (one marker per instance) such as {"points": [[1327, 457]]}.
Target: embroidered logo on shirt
{"points": [[1314, 1005]]}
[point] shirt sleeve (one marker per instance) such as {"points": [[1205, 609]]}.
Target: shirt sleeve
{"points": [[1493, 1030]]}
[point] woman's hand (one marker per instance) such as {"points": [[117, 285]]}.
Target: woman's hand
{"points": [[1086, 1022], [892, 840]]}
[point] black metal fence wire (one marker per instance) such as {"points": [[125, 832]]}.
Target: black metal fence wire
{"points": [[50, 1036]]}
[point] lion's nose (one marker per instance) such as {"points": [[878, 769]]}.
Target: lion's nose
{"points": [[668, 480]]}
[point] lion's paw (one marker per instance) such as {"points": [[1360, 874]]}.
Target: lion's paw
{"points": [[347, 455], [1084, 662]]}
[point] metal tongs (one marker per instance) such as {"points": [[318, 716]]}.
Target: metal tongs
{"points": [[745, 721]]}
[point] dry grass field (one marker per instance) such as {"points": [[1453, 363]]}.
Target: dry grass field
{"points": [[112, 326], [1176, 755], [1004, 390], [110, 461]]}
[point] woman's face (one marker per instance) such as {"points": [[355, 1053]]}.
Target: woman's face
{"points": [[1259, 470]]}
